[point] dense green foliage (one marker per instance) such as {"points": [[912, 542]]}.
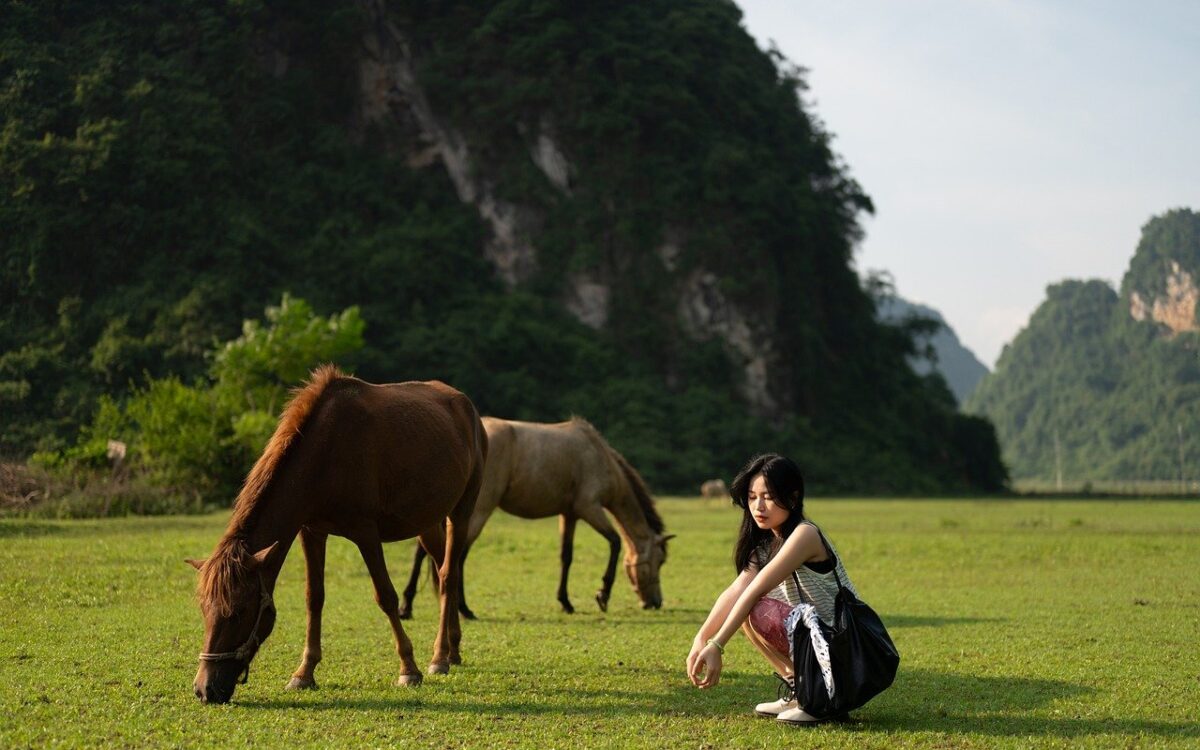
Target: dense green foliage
{"points": [[1087, 390], [202, 438], [1010, 630], [169, 168]]}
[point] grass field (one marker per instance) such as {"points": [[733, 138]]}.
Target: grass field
{"points": [[1020, 624]]}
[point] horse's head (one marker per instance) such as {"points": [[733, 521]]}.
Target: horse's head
{"points": [[642, 567], [239, 614]]}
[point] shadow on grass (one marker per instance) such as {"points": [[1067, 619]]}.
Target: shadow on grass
{"points": [[19, 528], [925, 700], [925, 621], [692, 616], [920, 701], [656, 618]]}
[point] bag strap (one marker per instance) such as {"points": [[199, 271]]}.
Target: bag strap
{"points": [[832, 556], [799, 589]]}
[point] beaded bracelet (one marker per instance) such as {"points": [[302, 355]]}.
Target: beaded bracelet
{"points": [[713, 642]]}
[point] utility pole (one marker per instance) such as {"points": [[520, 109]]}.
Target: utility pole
{"points": [[1057, 461], [1182, 481]]}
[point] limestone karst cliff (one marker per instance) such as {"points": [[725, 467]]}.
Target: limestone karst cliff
{"points": [[625, 212], [1105, 385]]}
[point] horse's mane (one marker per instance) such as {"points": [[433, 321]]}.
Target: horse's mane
{"points": [[642, 493], [224, 566], [228, 561], [636, 484]]}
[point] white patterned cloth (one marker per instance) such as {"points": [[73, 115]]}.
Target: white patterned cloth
{"points": [[808, 614]]}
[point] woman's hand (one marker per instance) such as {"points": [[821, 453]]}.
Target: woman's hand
{"points": [[705, 669], [697, 647]]}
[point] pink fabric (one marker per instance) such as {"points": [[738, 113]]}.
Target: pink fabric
{"points": [[767, 620]]}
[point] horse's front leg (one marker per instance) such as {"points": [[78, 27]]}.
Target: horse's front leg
{"points": [[566, 533], [388, 601], [596, 518], [314, 567]]}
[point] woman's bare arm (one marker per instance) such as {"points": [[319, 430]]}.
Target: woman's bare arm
{"points": [[804, 545]]}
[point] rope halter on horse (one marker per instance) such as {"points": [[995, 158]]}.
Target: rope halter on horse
{"points": [[243, 652]]}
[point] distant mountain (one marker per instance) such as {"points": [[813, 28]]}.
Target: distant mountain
{"points": [[1104, 384], [957, 364]]}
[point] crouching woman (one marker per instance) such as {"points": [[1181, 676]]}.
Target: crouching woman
{"points": [[781, 562]]}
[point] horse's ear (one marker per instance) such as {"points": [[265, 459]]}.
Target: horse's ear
{"points": [[197, 564], [261, 556]]}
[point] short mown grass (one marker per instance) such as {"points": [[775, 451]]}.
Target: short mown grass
{"points": [[1020, 623]]}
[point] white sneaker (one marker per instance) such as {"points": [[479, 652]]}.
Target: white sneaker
{"points": [[797, 715], [775, 708], [787, 699]]}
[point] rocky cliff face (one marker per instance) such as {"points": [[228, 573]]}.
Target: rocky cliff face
{"points": [[1175, 308], [391, 96], [1160, 285], [1098, 384]]}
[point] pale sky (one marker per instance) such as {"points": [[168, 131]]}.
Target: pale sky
{"points": [[1007, 144]]}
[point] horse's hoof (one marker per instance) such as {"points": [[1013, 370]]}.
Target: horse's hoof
{"points": [[409, 680], [437, 668], [602, 601], [299, 683], [406, 613], [567, 608], [456, 660], [467, 614]]}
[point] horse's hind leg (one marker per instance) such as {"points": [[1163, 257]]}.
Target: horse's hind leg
{"points": [[446, 649], [439, 545], [410, 591], [593, 514], [447, 646], [385, 596], [314, 566], [434, 543], [566, 532]]}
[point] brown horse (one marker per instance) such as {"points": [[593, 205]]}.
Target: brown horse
{"points": [[567, 469], [371, 463]]}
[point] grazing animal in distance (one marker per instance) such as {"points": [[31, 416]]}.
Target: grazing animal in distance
{"points": [[537, 470], [714, 488], [371, 463]]}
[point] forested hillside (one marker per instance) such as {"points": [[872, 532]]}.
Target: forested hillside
{"points": [[1106, 386], [622, 211]]}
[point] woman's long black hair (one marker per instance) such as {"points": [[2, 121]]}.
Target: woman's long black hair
{"points": [[787, 488]]}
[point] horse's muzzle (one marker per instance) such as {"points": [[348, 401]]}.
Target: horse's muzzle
{"points": [[213, 693], [214, 690]]}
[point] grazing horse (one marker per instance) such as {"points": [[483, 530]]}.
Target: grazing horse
{"points": [[714, 488], [371, 463], [567, 469]]}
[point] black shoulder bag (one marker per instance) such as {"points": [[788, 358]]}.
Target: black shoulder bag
{"points": [[862, 657]]}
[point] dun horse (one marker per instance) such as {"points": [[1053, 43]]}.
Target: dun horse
{"points": [[567, 469], [371, 463]]}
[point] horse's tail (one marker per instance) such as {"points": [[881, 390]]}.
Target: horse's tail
{"points": [[637, 486], [291, 421]]}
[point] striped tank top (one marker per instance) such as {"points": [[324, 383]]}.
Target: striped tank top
{"points": [[817, 589]]}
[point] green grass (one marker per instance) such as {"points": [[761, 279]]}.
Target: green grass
{"points": [[1020, 623]]}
